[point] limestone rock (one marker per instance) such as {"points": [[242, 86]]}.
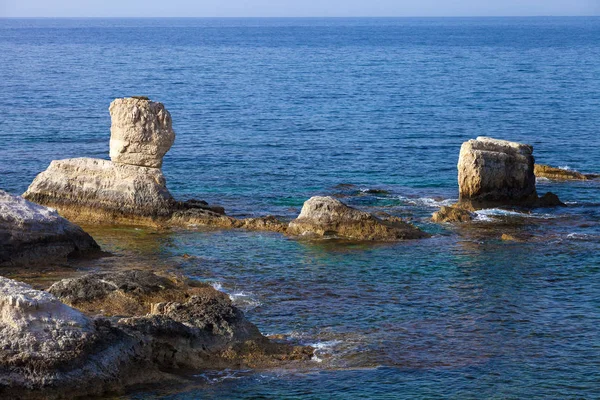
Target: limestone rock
{"points": [[141, 132], [452, 214], [100, 191], [186, 324], [492, 171], [45, 345], [559, 174], [329, 217], [30, 233]]}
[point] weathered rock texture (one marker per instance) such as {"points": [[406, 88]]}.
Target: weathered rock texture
{"points": [[560, 174], [100, 191], [452, 214], [187, 324], [329, 217], [149, 327], [141, 132], [30, 233], [496, 171], [48, 348]]}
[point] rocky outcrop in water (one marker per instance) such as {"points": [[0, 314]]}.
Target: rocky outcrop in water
{"points": [[561, 174], [101, 191], [143, 322], [328, 217], [492, 171], [130, 189], [141, 132], [452, 214], [30, 234]]}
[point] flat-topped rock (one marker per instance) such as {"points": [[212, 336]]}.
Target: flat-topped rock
{"points": [[496, 171], [141, 132], [328, 217], [100, 191], [30, 234]]}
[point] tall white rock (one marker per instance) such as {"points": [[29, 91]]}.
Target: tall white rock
{"points": [[141, 132]]}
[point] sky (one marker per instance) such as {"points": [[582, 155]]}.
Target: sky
{"points": [[295, 8]]}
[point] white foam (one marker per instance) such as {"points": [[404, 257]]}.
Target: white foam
{"points": [[217, 285], [322, 348], [488, 214], [576, 236], [565, 167], [428, 201]]}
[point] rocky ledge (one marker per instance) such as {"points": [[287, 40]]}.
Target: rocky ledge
{"points": [[328, 217], [561, 174], [32, 234], [93, 334]]}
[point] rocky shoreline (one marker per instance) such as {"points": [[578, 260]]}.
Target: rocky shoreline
{"points": [[91, 334]]}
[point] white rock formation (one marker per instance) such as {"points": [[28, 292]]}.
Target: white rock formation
{"points": [[30, 233], [141, 132], [496, 171], [98, 190]]}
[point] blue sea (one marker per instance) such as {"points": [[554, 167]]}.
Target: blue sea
{"points": [[269, 112]]}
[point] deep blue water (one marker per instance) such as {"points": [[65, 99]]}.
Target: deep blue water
{"points": [[269, 112]]}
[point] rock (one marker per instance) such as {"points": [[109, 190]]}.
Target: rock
{"points": [[549, 200], [30, 233], [100, 191], [452, 214], [329, 217], [509, 238], [186, 324], [49, 350], [492, 171], [268, 223], [141, 132], [559, 174]]}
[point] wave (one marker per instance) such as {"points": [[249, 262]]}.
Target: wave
{"points": [[323, 349], [243, 299], [427, 201], [488, 214]]}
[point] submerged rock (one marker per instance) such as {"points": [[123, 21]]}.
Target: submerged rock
{"points": [[145, 328], [100, 191], [560, 174], [329, 217], [492, 171], [30, 233], [141, 132], [452, 214]]}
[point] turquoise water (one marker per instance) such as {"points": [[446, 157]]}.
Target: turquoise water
{"points": [[269, 112]]}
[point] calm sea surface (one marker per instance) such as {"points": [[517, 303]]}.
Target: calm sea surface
{"points": [[269, 112]]}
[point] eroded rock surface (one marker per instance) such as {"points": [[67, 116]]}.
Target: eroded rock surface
{"points": [[30, 233], [329, 217], [187, 324], [121, 329], [452, 214], [496, 171], [141, 132], [48, 349], [100, 191]]}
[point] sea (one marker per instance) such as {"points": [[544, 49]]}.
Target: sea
{"points": [[269, 112]]}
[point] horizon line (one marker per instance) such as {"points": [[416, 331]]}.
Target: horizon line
{"points": [[305, 17]]}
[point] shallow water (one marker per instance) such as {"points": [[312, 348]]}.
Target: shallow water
{"points": [[271, 112]]}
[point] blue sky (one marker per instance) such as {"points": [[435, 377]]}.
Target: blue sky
{"points": [[294, 8]]}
